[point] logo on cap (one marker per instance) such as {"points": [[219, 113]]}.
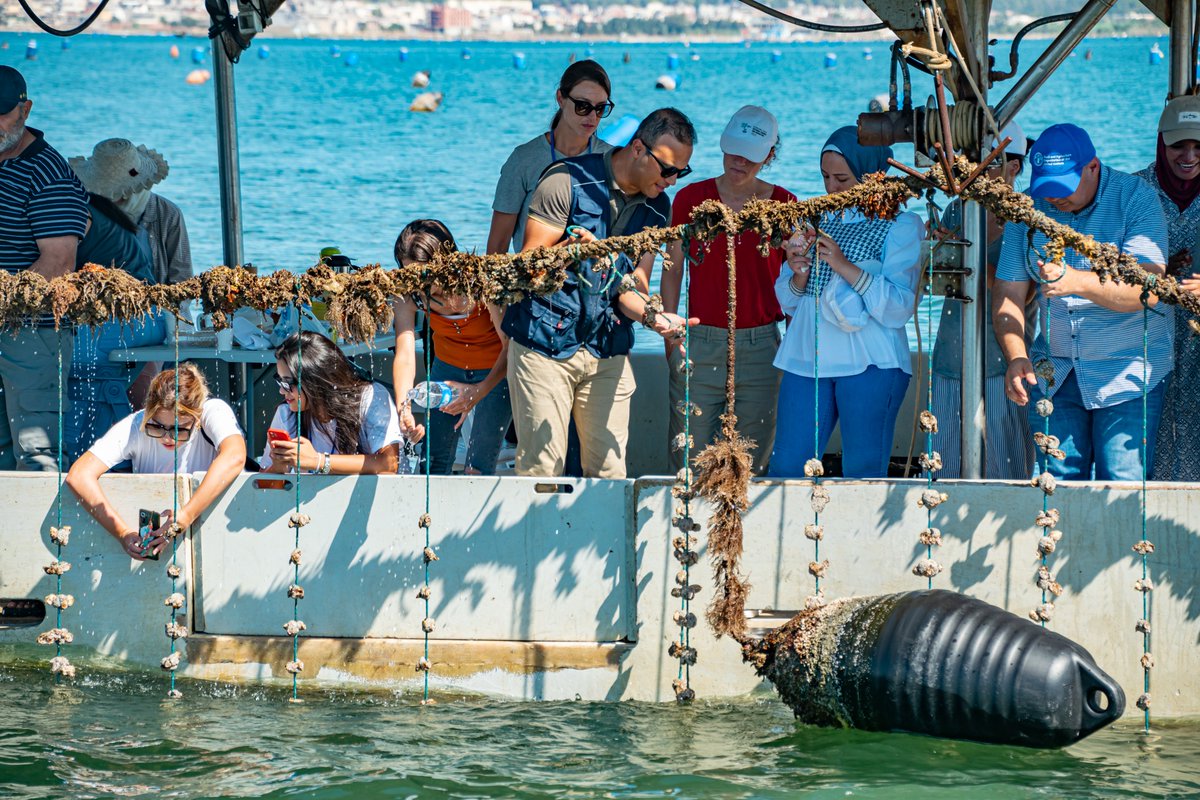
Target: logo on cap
{"points": [[1189, 116]]}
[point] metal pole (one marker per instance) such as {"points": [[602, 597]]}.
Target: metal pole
{"points": [[227, 157], [1047, 62], [1183, 69], [976, 315]]}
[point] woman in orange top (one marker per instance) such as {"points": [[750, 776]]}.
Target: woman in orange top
{"points": [[471, 356]]}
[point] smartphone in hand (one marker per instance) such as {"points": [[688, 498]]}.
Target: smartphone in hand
{"points": [[276, 436], [148, 522]]}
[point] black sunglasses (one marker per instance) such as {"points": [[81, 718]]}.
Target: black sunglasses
{"points": [[667, 170], [286, 384], [583, 107], [156, 431]]}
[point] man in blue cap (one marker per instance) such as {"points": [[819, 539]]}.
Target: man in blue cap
{"points": [[43, 216], [1088, 354]]}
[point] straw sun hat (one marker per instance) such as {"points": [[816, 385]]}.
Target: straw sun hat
{"points": [[117, 168]]}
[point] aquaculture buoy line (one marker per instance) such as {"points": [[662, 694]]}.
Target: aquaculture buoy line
{"points": [[813, 467], [428, 555], [930, 460], [175, 600], [1144, 547], [60, 666], [295, 626]]}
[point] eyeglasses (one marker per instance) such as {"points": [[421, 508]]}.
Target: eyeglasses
{"points": [[286, 384], [157, 431], [583, 107], [667, 170]]}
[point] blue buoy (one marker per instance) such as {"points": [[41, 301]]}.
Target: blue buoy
{"points": [[776, 56], [867, 54], [1156, 55], [672, 61], [830, 60], [518, 61], [198, 54], [466, 54], [264, 51], [31, 50], [589, 53], [335, 51], [403, 54], [620, 132], [350, 59], [66, 44]]}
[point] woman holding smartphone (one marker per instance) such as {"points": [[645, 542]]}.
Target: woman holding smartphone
{"points": [[186, 431], [338, 421]]}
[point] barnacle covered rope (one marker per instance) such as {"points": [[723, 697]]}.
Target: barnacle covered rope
{"points": [[814, 468], [60, 534], [295, 626], [174, 601], [1145, 547], [424, 664], [930, 460]]}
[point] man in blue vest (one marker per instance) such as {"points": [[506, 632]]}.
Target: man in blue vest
{"points": [[568, 351]]}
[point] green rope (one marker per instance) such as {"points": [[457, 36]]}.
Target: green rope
{"points": [[815, 269], [929, 402], [1045, 458], [296, 541], [62, 387], [172, 691], [1142, 498], [428, 356], [685, 669]]}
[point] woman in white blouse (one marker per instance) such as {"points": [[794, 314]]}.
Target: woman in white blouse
{"points": [[849, 289]]}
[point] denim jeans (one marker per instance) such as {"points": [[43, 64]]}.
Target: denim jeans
{"points": [[866, 404], [492, 415], [1107, 441]]}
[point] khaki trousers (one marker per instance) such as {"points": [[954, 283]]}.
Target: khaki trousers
{"points": [[756, 383], [546, 393], [29, 387]]}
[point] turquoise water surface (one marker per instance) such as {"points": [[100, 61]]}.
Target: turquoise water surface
{"points": [[112, 735]]}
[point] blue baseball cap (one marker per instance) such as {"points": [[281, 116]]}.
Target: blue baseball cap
{"points": [[12, 89], [1057, 160]]}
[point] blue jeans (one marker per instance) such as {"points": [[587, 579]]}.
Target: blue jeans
{"points": [[866, 404], [1107, 441], [492, 416]]}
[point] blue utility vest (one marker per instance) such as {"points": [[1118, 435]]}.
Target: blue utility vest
{"points": [[579, 314]]}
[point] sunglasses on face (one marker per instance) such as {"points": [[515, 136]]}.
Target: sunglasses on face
{"points": [[667, 170], [157, 431], [583, 107], [286, 384]]}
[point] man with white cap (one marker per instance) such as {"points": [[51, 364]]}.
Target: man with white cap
{"points": [[749, 145], [1088, 355], [1009, 453], [43, 216]]}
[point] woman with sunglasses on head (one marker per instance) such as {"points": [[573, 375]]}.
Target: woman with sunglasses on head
{"points": [[583, 100], [854, 280], [337, 421], [470, 355], [204, 437], [749, 144]]}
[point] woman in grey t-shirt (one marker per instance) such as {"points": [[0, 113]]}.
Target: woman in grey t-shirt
{"points": [[583, 100]]}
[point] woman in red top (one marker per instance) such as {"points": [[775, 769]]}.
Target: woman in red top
{"points": [[749, 143], [470, 355]]}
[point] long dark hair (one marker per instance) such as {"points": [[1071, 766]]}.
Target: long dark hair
{"points": [[421, 240], [577, 73], [330, 385]]}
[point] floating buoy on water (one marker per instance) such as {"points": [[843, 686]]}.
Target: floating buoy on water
{"points": [[695, 56], [421, 79], [3, 45], [198, 77], [1156, 54], [350, 59], [403, 54], [174, 51], [625, 59], [518, 61], [776, 55], [867, 54], [426, 102], [466, 54], [830, 60], [31, 50], [667, 82], [264, 51], [335, 51], [198, 54], [66, 44], [672, 61], [620, 132], [939, 663], [588, 53]]}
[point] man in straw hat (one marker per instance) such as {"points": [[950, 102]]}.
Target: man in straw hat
{"points": [[124, 172], [43, 216]]}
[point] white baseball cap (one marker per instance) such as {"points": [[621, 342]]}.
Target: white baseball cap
{"points": [[1180, 120], [1019, 145], [751, 133]]}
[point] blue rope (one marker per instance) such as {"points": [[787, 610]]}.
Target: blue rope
{"points": [[929, 405], [172, 691], [1151, 280], [685, 669], [816, 266], [296, 542], [62, 387], [429, 414]]}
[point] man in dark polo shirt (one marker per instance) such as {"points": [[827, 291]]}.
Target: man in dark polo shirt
{"points": [[43, 215], [568, 350]]}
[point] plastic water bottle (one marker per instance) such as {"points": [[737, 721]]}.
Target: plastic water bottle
{"points": [[432, 394]]}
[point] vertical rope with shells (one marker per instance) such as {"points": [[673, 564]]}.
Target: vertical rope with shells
{"points": [[175, 600], [814, 468], [60, 666], [424, 664], [681, 517], [1144, 547], [930, 460], [724, 478], [296, 521]]}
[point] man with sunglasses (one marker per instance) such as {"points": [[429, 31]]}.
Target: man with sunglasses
{"points": [[569, 350]]}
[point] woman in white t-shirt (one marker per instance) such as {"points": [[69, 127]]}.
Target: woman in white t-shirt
{"points": [[347, 424], [205, 437]]}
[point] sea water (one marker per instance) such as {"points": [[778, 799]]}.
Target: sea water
{"points": [[111, 734], [331, 155]]}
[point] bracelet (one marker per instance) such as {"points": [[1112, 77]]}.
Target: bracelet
{"points": [[327, 464], [792, 286]]}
